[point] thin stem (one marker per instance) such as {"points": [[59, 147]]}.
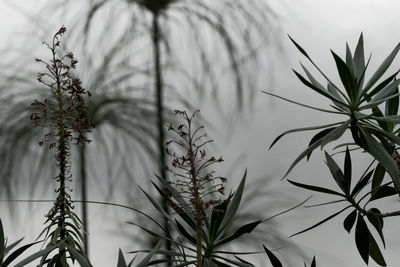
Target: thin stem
{"points": [[85, 222], [197, 199], [159, 97]]}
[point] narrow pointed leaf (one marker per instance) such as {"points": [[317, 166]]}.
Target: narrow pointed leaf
{"points": [[375, 252], [392, 106], [361, 183], [334, 91], [299, 47], [2, 242], [332, 136], [312, 79], [350, 220], [389, 90], [303, 129], [347, 170], [217, 216], [321, 222], [16, 253], [121, 259], [337, 173], [378, 88], [383, 67], [316, 188], [349, 61], [379, 153], [36, 255], [313, 263], [382, 192], [318, 137], [83, 261], [245, 229], [359, 58], [316, 89], [233, 205], [185, 233], [274, 260], [379, 174], [362, 238], [376, 223], [346, 77]]}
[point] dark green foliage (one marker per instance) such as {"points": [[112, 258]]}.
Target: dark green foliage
{"points": [[6, 256], [371, 129], [353, 103]]}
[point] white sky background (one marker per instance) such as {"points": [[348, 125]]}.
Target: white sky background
{"points": [[318, 26]]}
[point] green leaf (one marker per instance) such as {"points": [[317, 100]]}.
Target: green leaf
{"points": [[375, 210], [383, 191], [245, 229], [312, 79], [378, 88], [361, 183], [337, 174], [318, 137], [380, 118], [121, 259], [346, 77], [383, 67], [377, 223], [181, 210], [344, 107], [362, 238], [185, 233], [359, 58], [332, 136], [392, 105], [2, 242], [350, 220], [349, 61], [313, 263], [217, 216], [302, 130], [379, 153], [347, 170], [274, 260], [156, 205], [389, 90], [335, 92], [316, 89], [177, 196], [375, 252], [16, 253], [233, 206], [316, 188], [82, 259], [146, 260], [36, 255], [321, 222], [299, 47]]}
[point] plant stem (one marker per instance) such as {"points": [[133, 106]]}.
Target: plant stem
{"points": [[197, 200], [85, 222], [159, 96]]}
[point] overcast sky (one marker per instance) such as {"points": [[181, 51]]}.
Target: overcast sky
{"points": [[317, 25]]}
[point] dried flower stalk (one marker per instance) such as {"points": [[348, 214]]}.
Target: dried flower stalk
{"points": [[63, 115], [192, 173]]}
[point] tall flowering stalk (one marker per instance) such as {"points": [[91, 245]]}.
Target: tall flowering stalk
{"points": [[192, 175], [63, 115]]}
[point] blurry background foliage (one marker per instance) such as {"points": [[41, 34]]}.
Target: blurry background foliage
{"points": [[207, 47]]}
